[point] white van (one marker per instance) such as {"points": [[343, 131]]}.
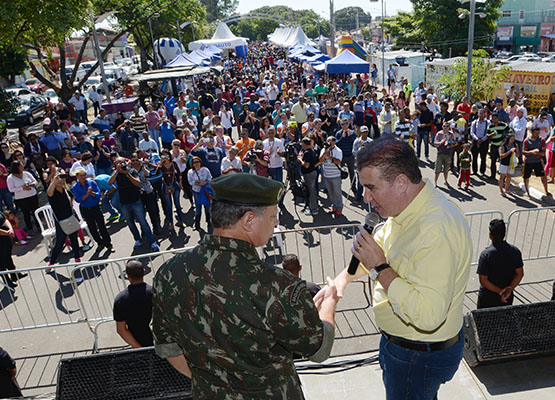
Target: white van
{"points": [[81, 71]]}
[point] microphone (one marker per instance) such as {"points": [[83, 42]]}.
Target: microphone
{"points": [[372, 219]]}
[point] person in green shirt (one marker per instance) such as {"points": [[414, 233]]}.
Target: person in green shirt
{"points": [[407, 88], [465, 160], [321, 88]]}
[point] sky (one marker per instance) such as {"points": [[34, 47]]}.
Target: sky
{"points": [[321, 7]]}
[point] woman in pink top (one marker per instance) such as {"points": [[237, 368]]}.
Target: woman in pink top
{"points": [[152, 119]]}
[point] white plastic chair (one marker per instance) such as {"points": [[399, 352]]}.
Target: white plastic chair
{"points": [[45, 217], [83, 224]]}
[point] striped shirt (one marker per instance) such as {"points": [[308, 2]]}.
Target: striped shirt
{"points": [[329, 168], [403, 130]]}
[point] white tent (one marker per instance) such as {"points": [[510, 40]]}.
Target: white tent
{"points": [[286, 37], [223, 38]]}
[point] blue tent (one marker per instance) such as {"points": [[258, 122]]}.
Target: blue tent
{"points": [[318, 58], [199, 58], [346, 63]]}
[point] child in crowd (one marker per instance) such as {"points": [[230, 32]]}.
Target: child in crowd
{"points": [[20, 234], [465, 160]]}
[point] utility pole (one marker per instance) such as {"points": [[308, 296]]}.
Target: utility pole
{"points": [[470, 46], [100, 60], [332, 29], [450, 51], [179, 35], [357, 22]]}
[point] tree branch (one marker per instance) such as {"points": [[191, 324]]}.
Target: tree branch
{"points": [[80, 56]]}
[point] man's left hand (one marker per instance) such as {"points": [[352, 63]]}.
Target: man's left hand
{"points": [[366, 250]]}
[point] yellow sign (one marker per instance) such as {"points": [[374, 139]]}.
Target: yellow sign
{"points": [[537, 86]]}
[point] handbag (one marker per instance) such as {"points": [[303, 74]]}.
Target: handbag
{"points": [[344, 171], [70, 224]]}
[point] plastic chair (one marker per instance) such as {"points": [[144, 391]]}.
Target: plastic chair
{"points": [[83, 224], [45, 217]]}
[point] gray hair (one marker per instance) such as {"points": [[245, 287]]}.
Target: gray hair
{"points": [[225, 216]]}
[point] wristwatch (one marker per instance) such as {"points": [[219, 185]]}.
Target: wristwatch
{"points": [[374, 272]]}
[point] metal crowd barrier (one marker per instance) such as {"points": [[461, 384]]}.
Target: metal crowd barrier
{"points": [[84, 293], [532, 231]]}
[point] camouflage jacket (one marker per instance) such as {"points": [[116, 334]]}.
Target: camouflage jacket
{"points": [[236, 319]]}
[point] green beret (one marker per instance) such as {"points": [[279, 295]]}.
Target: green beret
{"points": [[246, 190]]}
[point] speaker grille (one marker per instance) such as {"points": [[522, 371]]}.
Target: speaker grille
{"points": [[128, 374], [515, 330]]}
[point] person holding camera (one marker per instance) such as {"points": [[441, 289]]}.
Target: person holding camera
{"points": [[210, 155], [87, 194], [308, 160], [131, 205], [345, 140], [330, 159], [60, 200], [199, 177], [276, 152], [258, 160]]}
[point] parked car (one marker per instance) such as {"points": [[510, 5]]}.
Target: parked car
{"points": [[35, 85], [81, 71], [550, 58], [514, 58], [31, 107], [52, 96], [18, 90]]}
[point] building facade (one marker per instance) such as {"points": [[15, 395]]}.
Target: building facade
{"points": [[526, 26]]}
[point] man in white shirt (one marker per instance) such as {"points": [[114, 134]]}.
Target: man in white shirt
{"points": [[431, 104], [147, 143], [96, 99], [276, 150], [272, 91], [231, 164], [518, 125], [78, 128], [79, 104], [179, 111]]}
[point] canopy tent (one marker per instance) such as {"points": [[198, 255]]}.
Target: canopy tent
{"points": [[318, 58], [286, 37], [175, 73], [307, 51], [223, 38], [182, 60], [346, 63]]}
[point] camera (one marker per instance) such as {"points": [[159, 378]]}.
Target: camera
{"points": [[327, 145], [251, 157], [292, 150], [123, 166]]}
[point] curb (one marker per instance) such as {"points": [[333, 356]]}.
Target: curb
{"points": [[536, 194]]}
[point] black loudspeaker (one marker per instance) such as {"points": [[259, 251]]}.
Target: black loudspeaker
{"points": [[121, 375], [509, 332]]}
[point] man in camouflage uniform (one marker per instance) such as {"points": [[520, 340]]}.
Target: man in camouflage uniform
{"points": [[230, 321]]}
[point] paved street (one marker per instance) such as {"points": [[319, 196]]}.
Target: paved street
{"points": [[355, 327]]}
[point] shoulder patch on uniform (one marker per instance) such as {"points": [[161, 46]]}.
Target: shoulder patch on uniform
{"points": [[297, 289]]}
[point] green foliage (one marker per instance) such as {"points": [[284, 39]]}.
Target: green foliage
{"points": [[345, 19], [219, 9], [259, 29], [12, 63], [486, 76], [436, 25], [8, 104]]}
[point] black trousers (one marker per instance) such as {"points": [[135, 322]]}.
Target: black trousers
{"points": [[151, 206], [187, 189], [349, 161], [95, 220], [28, 206], [490, 299], [494, 156], [59, 243], [482, 150], [6, 260]]}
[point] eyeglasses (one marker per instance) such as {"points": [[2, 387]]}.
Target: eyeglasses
{"points": [[175, 145], [196, 162]]}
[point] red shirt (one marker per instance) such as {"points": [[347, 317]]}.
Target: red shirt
{"points": [[464, 108], [3, 182]]}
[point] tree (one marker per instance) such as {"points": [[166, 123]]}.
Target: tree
{"points": [[219, 9], [259, 29], [435, 24], [486, 76], [8, 104], [346, 18], [12, 62]]}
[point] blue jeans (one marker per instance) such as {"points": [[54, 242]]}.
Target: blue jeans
{"points": [[276, 174], [111, 204], [104, 171], [136, 212], [167, 199], [198, 207], [6, 198], [246, 168], [155, 134], [423, 136], [417, 375]]}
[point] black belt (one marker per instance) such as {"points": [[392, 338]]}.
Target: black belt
{"points": [[432, 346]]}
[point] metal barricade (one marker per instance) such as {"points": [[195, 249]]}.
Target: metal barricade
{"points": [[67, 294], [479, 230], [323, 251], [532, 231]]}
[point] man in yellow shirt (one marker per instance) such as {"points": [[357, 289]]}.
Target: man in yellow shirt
{"points": [[420, 261]]}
